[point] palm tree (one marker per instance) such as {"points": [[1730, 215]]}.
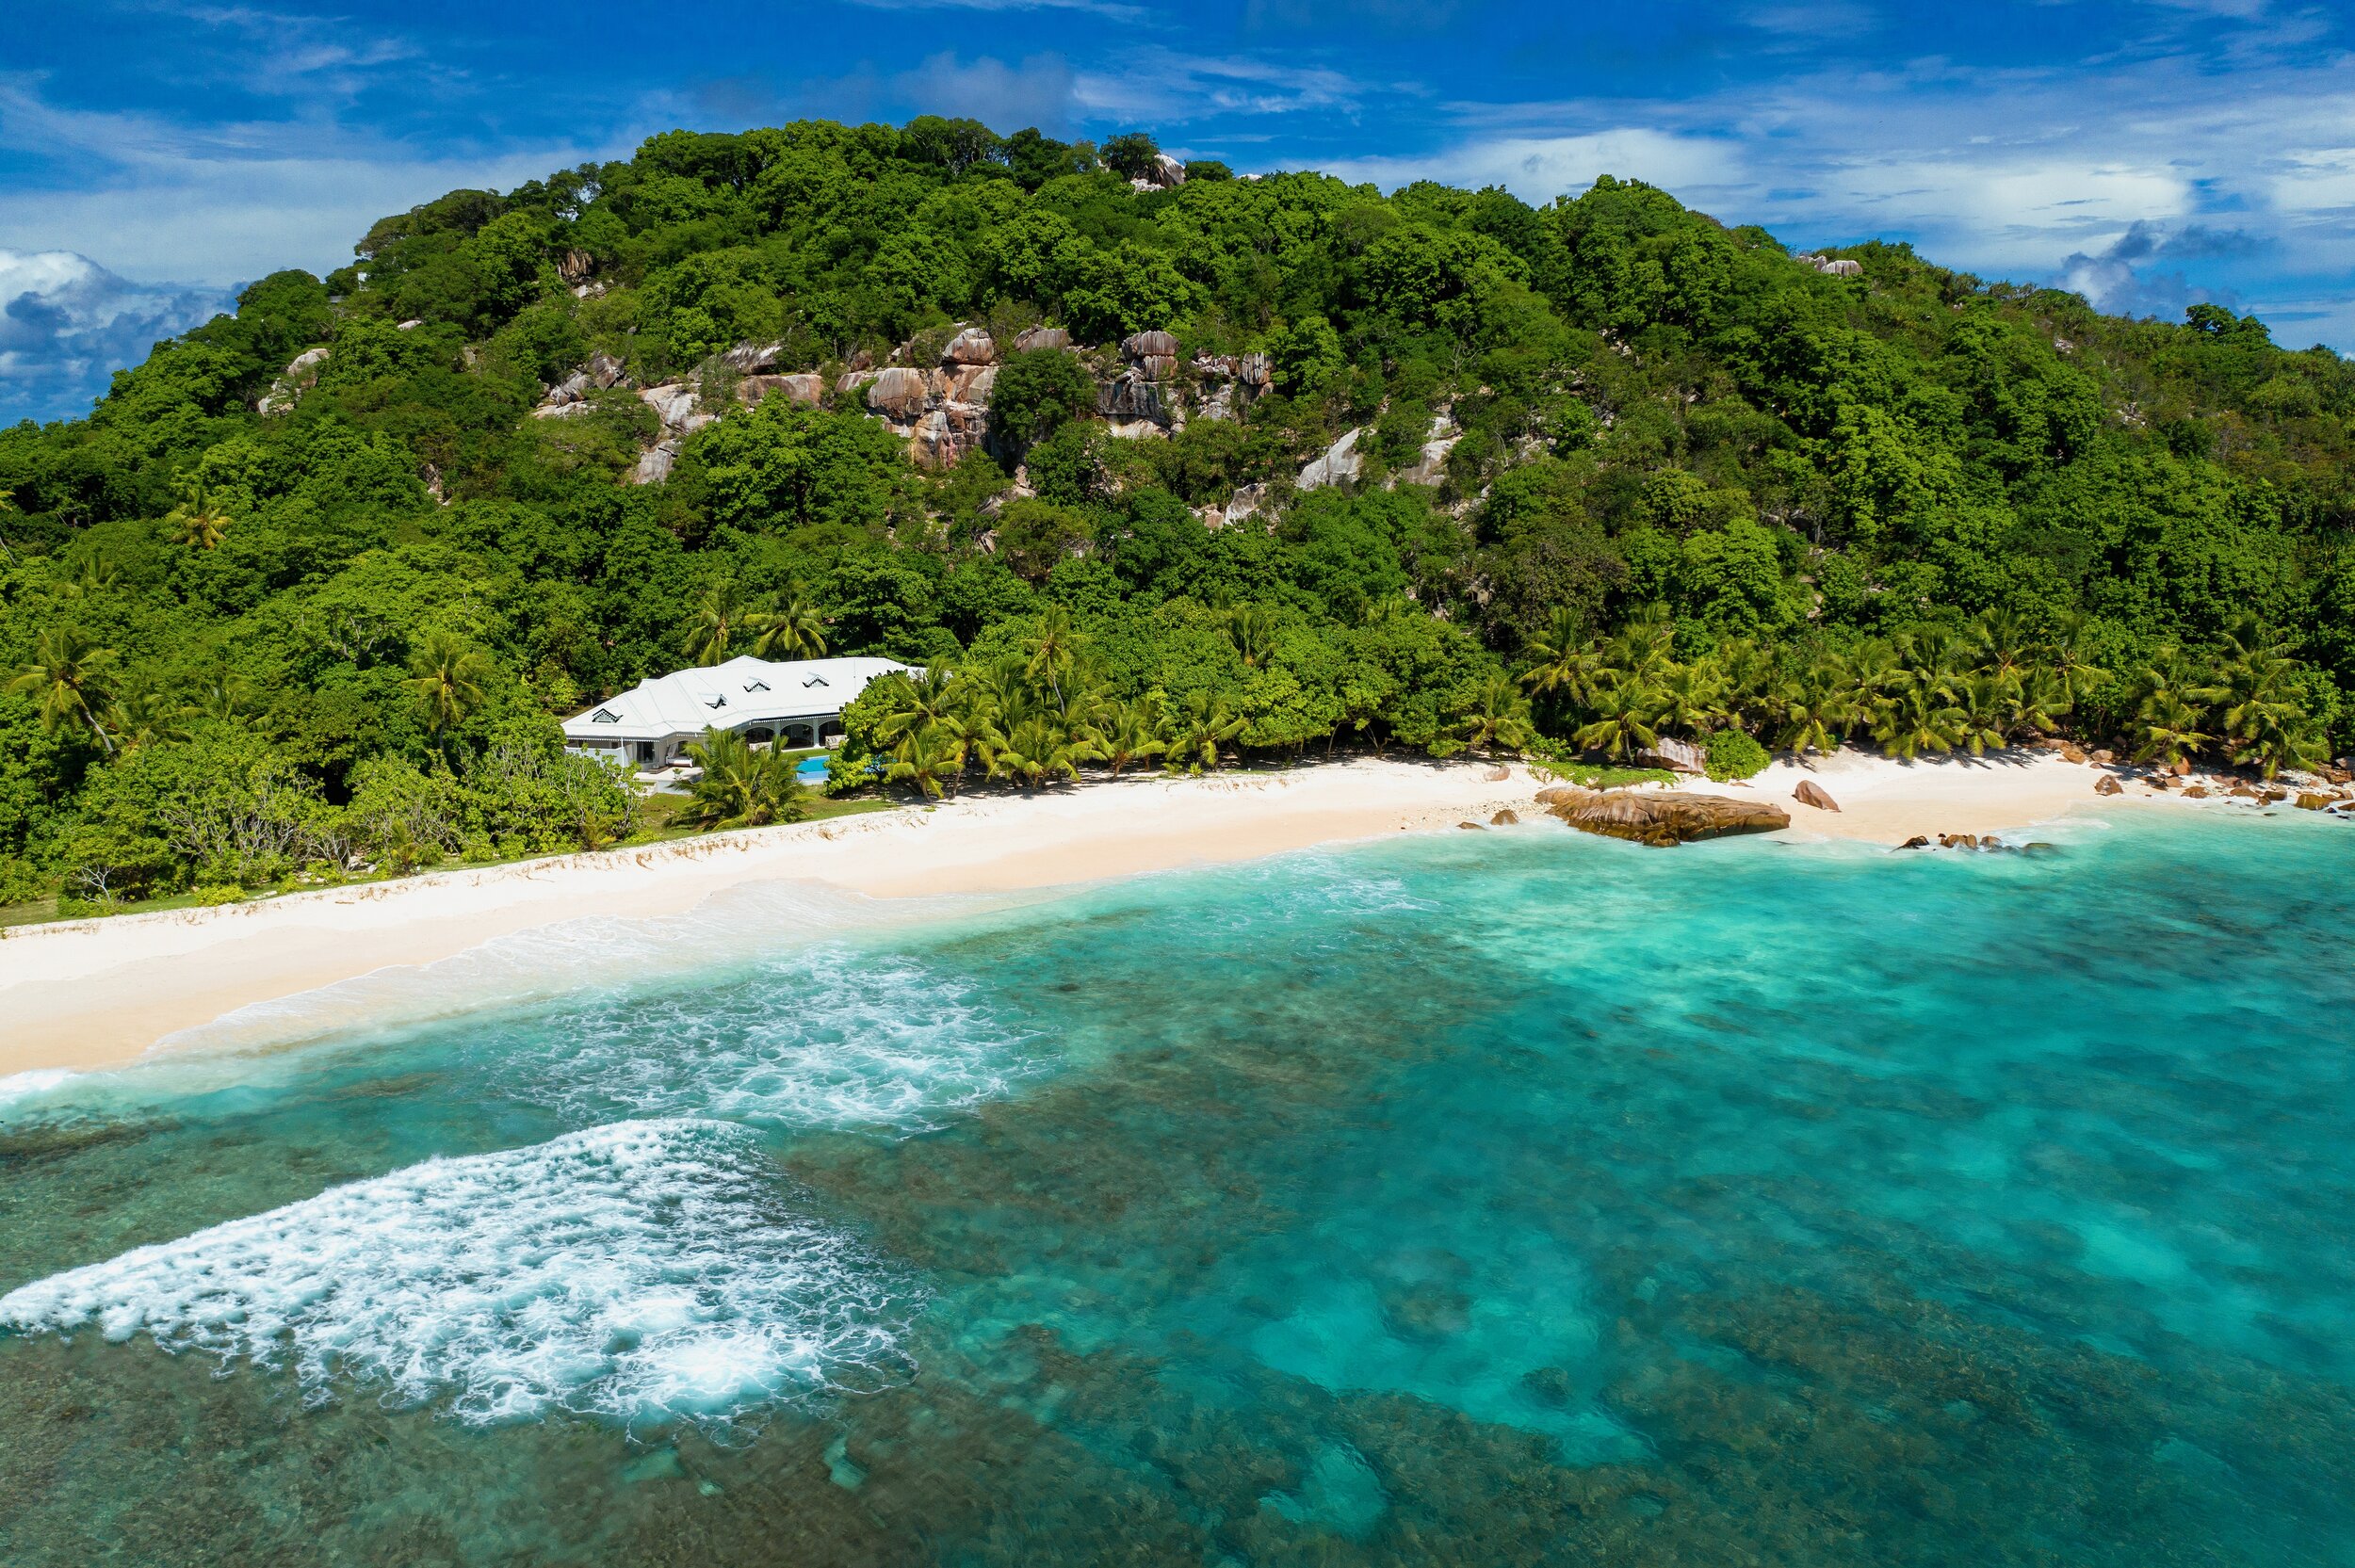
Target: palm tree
{"points": [[743, 785], [1623, 709], [1874, 671], [226, 697], [919, 701], [929, 758], [67, 677], [1749, 683], [1197, 727], [1816, 709], [1052, 648], [2166, 728], [448, 676], [1130, 733], [2263, 719], [1563, 663], [96, 574], [720, 619], [1987, 702], [2171, 699], [1998, 639], [1918, 718], [143, 719], [1643, 651], [2064, 655], [790, 629], [198, 521], [1035, 750], [1252, 629], [1499, 718], [1688, 699], [2038, 702]]}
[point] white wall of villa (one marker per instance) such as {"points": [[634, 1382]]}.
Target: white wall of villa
{"points": [[794, 702]]}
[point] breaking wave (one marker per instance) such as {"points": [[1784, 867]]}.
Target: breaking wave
{"points": [[644, 1272]]}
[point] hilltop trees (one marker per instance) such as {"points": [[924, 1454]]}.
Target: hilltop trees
{"points": [[1683, 487]]}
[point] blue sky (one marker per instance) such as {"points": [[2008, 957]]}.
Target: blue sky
{"points": [[2150, 153]]}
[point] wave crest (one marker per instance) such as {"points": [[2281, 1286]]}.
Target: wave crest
{"points": [[644, 1271]]}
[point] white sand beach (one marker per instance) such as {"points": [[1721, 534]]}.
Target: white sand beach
{"points": [[98, 993]]}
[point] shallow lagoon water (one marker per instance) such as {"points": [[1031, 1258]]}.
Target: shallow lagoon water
{"points": [[1514, 1197]]}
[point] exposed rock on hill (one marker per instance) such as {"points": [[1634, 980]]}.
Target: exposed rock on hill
{"points": [[1658, 817], [1339, 464], [1834, 267], [299, 375], [970, 347], [807, 388], [1164, 174], [1430, 466], [601, 372]]}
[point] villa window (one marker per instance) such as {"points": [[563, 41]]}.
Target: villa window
{"points": [[604, 715], [756, 686], [814, 680]]}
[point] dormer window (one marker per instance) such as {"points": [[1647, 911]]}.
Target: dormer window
{"points": [[756, 686], [814, 680], [717, 702], [604, 715]]}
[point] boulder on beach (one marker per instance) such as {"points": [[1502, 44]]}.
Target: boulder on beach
{"points": [[1660, 817], [2312, 803], [2108, 784], [1919, 841], [1678, 756], [1506, 818], [1810, 793], [1472, 826]]}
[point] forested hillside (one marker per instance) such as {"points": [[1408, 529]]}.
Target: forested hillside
{"points": [[1305, 465]]}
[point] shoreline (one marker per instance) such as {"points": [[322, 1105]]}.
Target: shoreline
{"points": [[100, 993]]}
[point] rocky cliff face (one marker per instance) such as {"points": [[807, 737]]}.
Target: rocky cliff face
{"points": [[941, 410]]}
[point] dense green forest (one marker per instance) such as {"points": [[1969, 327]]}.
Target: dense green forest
{"points": [[1620, 473]]}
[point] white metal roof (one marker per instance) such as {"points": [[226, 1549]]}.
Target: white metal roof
{"points": [[729, 696]]}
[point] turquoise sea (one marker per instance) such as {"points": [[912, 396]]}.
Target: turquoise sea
{"points": [[1513, 1197]]}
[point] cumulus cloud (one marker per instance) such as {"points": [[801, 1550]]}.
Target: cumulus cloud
{"points": [[2129, 277], [1038, 91], [67, 323]]}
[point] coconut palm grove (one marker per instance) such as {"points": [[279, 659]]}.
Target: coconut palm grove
{"points": [[1142, 465]]}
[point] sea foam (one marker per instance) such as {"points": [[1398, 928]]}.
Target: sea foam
{"points": [[644, 1272], [824, 1037]]}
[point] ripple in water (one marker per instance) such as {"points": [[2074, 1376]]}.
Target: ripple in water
{"points": [[643, 1272]]}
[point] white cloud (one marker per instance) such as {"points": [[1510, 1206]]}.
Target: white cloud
{"points": [[227, 221], [1160, 86], [66, 323], [1538, 168], [1038, 91]]}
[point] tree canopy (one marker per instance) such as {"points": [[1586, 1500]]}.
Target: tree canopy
{"points": [[326, 569]]}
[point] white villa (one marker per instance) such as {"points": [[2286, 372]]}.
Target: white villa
{"points": [[794, 704]]}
